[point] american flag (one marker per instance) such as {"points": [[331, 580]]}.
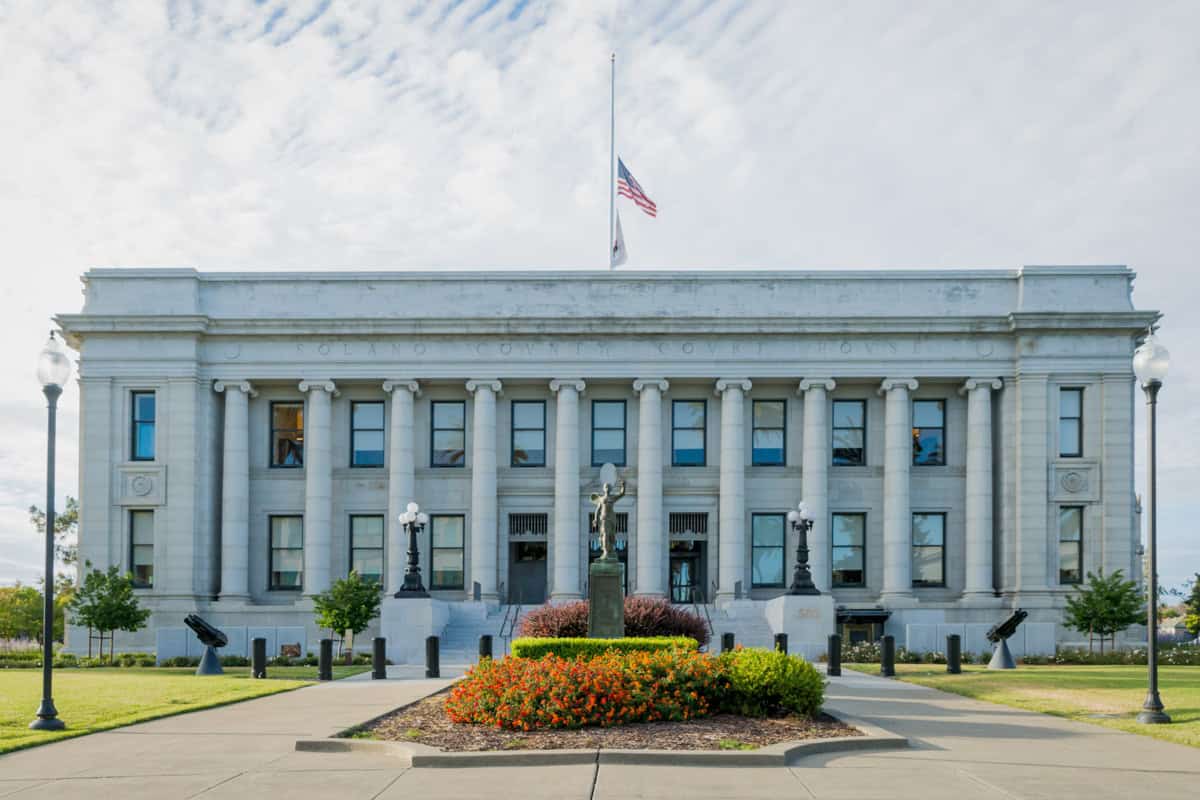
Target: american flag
{"points": [[627, 186]]}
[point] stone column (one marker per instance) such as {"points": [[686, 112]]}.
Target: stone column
{"points": [[235, 490], [318, 485], [818, 454], [651, 532], [402, 485], [897, 507], [483, 489], [979, 485], [732, 529], [565, 550]]}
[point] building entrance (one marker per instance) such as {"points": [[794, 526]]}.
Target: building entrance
{"points": [[687, 571], [527, 573]]}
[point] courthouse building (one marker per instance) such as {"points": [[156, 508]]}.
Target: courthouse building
{"points": [[964, 439]]}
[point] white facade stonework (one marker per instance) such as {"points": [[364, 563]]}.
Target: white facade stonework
{"points": [[996, 347]]}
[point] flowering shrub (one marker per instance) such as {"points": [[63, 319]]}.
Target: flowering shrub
{"points": [[536, 647], [769, 683], [609, 689], [644, 616]]}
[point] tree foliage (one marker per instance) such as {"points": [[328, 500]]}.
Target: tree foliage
{"points": [[1104, 606], [20, 612], [66, 528], [349, 605], [105, 601], [1191, 607]]}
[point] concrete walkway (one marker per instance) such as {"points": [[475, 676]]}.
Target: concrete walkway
{"points": [[962, 749]]}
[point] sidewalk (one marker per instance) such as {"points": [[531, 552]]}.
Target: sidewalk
{"points": [[961, 749]]}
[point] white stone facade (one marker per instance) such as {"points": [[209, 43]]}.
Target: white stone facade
{"points": [[996, 346]]}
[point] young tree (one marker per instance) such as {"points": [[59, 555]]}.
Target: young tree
{"points": [[1104, 606], [348, 607], [106, 602], [20, 612], [1191, 608]]}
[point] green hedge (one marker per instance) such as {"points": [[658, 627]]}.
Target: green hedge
{"points": [[536, 647], [769, 683]]}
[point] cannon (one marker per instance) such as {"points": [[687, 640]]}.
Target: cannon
{"points": [[211, 638], [998, 635]]}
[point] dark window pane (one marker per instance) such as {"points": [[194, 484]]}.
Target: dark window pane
{"points": [[766, 568], [768, 413], [368, 415], [368, 564], [448, 448], [848, 447], [608, 414], [928, 446], [689, 448], [768, 447], [1070, 403], [689, 413], [848, 414], [529, 447], [368, 448], [767, 531], [449, 415], [287, 416], [143, 440], [928, 414], [529, 415], [143, 406], [1069, 568]]}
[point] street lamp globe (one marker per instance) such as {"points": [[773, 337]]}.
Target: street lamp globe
{"points": [[805, 514], [1150, 362], [793, 517], [54, 368], [422, 518], [413, 508]]}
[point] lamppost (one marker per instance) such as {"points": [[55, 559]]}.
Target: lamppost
{"points": [[1150, 363], [802, 521], [53, 370], [414, 520]]}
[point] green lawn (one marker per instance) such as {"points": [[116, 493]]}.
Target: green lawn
{"points": [[91, 700], [1102, 695]]}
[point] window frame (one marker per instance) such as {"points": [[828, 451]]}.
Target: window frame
{"points": [[1079, 392], [382, 544], [461, 549], [271, 586], [912, 546], [382, 430], [433, 429], [703, 431], [134, 424], [942, 403], [754, 428], [781, 547], [512, 433], [624, 433], [834, 428], [862, 548], [1081, 510], [271, 429], [137, 584]]}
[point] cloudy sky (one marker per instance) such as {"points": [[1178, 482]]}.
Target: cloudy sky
{"points": [[321, 134]]}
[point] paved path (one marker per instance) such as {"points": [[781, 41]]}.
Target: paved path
{"points": [[962, 749]]}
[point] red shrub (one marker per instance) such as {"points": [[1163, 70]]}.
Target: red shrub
{"points": [[556, 621], [644, 616]]}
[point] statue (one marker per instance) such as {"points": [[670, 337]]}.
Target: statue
{"points": [[606, 521]]}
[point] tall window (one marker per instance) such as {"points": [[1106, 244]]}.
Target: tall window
{"points": [[608, 432], [141, 548], [928, 549], [449, 439], [1070, 544], [769, 433], [687, 433], [849, 549], [849, 433], [446, 536], [1070, 423], [929, 432], [142, 427], [287, 434], [767, 542], [286, 567], [528, 433], [366, 434], [366, 547]]}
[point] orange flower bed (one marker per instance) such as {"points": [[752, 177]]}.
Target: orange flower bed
{"points": [[610, 689]]}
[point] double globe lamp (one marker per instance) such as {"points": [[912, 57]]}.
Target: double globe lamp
{"points": [[414, 520]]}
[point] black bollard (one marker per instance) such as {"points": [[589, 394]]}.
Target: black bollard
{"points": [[325, 661], [834, 666], [433, 667], [485, 646], [726, 642], [781, 643], [954, 654], [258, 658], [379, 658], [887, 657]]}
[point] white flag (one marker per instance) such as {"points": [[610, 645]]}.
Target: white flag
{"points": [[619, 254]]}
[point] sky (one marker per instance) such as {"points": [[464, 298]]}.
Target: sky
{"points": [[354, 135]]}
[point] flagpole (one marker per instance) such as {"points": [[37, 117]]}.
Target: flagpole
{"points": [[612, 156]]}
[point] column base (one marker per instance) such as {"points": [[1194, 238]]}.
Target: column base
{"points": [[898, 599], [234, 598]]}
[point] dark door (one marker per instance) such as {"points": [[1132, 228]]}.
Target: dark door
{"points": [[527, 573], [687, 572]]}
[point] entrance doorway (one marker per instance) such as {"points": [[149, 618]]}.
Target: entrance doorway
{"points": [[527, 573], [687, 571]]}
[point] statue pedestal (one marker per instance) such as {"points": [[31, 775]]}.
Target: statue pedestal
{"points": [[606, 603], [807, 620]]}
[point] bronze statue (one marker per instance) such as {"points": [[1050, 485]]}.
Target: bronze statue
{"points": [[606, 520]]}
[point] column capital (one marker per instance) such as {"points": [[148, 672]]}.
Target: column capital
{"points": [[242, 386], [475, 384], [733, 383], [323, 385], [980, 383], [567, 383], [407, 384], [898, 383], [650, 383], [828, 384]]}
